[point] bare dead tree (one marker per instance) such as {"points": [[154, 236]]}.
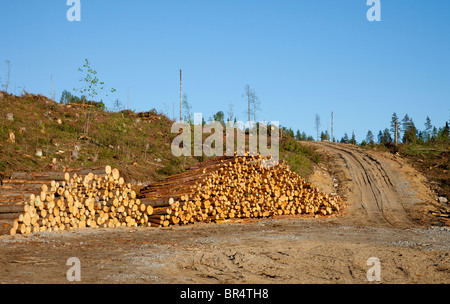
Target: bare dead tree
{"points": [[230, 112], [248, 95], [52, 92], [8, 63], [181, 96], [332, 117], [317, 125], [253, 102]]}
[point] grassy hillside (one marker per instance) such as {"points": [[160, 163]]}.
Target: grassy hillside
{"points": [[137, 143]]}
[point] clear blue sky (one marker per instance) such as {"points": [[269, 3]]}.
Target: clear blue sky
{"points": [[302, 57]]}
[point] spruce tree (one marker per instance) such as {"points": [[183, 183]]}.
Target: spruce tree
{"points": [[369, 138]]}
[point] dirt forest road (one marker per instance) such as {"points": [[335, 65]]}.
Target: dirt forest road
{"points": [[387, 218], [382, 190]]}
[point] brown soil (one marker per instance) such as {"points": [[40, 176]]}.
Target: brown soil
{"points": [[388, 217], [381, 188]]}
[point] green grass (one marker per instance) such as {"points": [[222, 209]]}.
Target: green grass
{"points": [[300, 158], [423, 150]]}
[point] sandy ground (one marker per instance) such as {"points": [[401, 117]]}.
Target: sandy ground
{"points": [[387, 218]]}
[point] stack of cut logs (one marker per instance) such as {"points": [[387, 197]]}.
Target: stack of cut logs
{"points": [[237, 187], [92, 200], [218, 189], [17, 189]]}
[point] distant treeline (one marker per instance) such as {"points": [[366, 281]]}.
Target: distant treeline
{"points": [[407, 133], [68, 98]]}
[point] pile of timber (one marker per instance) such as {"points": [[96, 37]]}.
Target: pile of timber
{"points": [[92, 200], [149, 116], [237, 187], [17, 189]]}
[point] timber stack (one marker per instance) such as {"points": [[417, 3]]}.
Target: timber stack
{"points": [[237, 187], [92, 200], [17, 189]]}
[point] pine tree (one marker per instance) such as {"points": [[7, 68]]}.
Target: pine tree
{"points": [[434, 134], [290, 132], [444, 133], [447, 130], [409, 130], [345, 139], [304, 137], [405, 123], [385, 137], [324, 136], [395, 120], [353, 140], [428, 128]]}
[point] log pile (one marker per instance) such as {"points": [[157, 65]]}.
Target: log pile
{"points": [[237, 187], [149, 116], [15, 191], [92, 200]]}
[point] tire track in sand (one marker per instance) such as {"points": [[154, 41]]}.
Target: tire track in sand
{"points": [[377, 194]]}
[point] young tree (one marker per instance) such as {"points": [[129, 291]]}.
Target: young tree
{"points": [[188, 115], [317, 125], [220, 117], [91, 86]]}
